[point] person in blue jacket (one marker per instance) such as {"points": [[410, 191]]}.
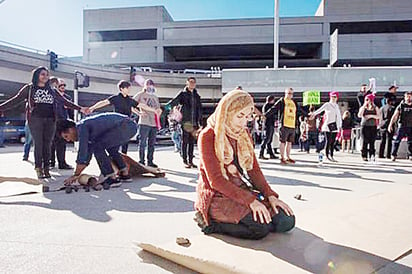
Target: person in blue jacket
{"points": [[100, 135]]}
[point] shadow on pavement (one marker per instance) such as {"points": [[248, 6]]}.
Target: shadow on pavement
{"points": [[345, 174], [313, 254], [167, 265], [130, 197], [295, 182]]}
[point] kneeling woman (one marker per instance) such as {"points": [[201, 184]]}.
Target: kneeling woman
{"points": [[233, 195]]}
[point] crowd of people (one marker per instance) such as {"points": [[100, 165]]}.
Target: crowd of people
{"points": [[49, 128], [234, 197], [326, 127]]}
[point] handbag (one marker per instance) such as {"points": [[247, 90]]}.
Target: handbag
{"points": [[333, 126], [177, 114]]}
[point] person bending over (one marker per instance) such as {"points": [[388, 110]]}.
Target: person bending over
{"points": [[233, 196], [101, 135]]}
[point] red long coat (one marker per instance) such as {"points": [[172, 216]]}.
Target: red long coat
{"points": [[223, 200]]}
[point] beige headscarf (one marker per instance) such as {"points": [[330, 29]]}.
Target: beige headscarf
{"points": [[228, 106]]}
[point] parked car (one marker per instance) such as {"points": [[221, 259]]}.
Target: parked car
{"points": [[13, 129]]}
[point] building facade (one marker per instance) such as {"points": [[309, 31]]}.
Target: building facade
{"points": [[371, 33]]}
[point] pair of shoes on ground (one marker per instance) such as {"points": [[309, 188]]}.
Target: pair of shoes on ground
{"points": [[331, 159], [287, 161], [116, 182], [189, 165], [65, 167], [272, 156], [111, 182], [43, 173]]}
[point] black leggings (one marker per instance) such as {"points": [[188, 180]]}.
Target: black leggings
{"points": [[188, 143], [330, 143], [42, 131], [369, 136], [247, 228]]}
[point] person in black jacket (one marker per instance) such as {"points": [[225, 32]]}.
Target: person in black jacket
{"points": [[403, 113], [364, 91], [387, 112], [58, 147], [189, 100], [269, 128], [41, 113]]}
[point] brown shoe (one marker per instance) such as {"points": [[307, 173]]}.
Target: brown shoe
{"points": [[47, 173], [262, 157], [283, 161], [289, 160], [40, 173]]}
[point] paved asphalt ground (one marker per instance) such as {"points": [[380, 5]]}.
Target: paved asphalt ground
{"points": [[95, 232]]}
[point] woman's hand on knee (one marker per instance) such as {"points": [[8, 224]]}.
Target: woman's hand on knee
{"points": [[260, 212], [275, 203]]}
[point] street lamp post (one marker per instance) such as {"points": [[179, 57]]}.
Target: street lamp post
{"points": [[276, 36]]}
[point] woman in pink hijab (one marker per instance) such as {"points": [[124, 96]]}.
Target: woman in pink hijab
{"points": [[369, 113]]}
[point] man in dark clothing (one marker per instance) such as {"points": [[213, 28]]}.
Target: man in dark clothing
{"points": [[386, 137], [312, 131], [391, 94], [403, 112], [364, 91], [191, 110], [269, 128], [59, 144], [121, 102], [101, 135]]}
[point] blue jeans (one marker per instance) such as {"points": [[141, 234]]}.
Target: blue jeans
{"points": [[147, 136], [106, 149], [176, 138], [28, 142], [1, 136], [402, 132], [267, 141]]}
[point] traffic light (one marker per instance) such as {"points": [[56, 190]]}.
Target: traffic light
{"points": [[53, 60]]}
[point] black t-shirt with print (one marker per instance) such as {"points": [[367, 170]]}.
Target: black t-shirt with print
{"points": [[406, 114], [44, 101], [122, 104]]}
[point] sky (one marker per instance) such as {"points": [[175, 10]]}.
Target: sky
{"points": [[58, 24]]}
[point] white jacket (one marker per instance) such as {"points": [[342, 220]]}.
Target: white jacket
{"points": [[332, 114]]}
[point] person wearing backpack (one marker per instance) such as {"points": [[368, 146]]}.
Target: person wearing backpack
{"points": [[41, 114], [403, 113], [386, 136]]}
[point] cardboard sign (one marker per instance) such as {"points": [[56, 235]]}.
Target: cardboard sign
{"points": [[311, 97]]}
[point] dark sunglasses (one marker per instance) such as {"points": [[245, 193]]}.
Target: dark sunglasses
{"points": [[64, 85]]}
